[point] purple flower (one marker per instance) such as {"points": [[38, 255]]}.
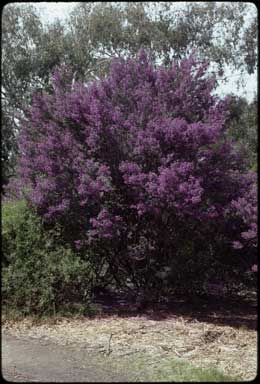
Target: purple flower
{"points": [[142, 150]]}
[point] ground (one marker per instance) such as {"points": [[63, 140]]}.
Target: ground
{"points": [[32, 360], [173, 344]]}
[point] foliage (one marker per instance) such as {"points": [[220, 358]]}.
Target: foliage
{"points": [[12, 217], [242, 126], [9, 148], [31, 51], [94, 33], [222, 33], [40, 274], [137, 165], [20, 31]]}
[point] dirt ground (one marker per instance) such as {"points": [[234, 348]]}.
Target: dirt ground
{"points": [[216, 336], [31, 360]]}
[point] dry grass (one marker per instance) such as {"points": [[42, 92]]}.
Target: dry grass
{"points": [[231, 350]]}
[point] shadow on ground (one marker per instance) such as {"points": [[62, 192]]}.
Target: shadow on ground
{"points": [[233, 311]]}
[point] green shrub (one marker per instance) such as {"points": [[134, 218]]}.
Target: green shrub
{"points": [[12, 217], [40, 273]]}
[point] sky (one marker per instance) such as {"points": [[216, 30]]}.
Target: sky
{"points": [[49, 11]]}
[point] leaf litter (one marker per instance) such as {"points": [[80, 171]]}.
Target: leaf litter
{"points": [[205, 345]]}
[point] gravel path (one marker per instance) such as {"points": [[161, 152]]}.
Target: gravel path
{"points": [[29, 360]]}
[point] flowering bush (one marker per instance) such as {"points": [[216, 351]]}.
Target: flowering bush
{"points": [[139, 163]]}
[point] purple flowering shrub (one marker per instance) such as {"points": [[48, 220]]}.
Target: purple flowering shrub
{"points": [[138, 166]]}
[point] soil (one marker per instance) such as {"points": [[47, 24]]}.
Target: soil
{"points": [[235, 311], [220, 333], [32, 360]]}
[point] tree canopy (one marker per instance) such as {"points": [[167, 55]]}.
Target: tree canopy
{"points": [[95, 33]]}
